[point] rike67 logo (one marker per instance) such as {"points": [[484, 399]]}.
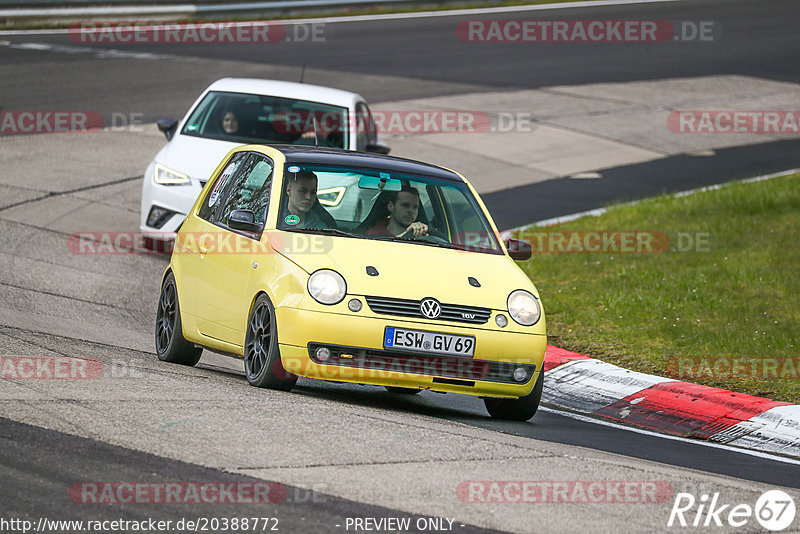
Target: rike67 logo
{"points": [[774, 511]]}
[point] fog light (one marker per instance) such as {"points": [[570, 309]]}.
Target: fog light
{"points": [[501, 320], [323, 354], [158, 216], [520, 374], [354, 305]]}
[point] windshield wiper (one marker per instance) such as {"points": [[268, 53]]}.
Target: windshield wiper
{"points": [[416, 241], [332, 231]]}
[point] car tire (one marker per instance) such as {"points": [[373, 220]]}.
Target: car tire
{"points": [[520, 409], [171, 346], [402, 391], [262, 359]]}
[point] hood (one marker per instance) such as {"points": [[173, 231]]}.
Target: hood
{"points": [[407, 270], [194, 156]]}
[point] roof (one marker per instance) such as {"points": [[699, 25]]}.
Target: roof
{"points": [[333, 156], [299, 91]]}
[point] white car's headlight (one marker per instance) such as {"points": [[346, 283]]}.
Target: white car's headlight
{"points": [[523, 307], [327, 286], [165, 176]]}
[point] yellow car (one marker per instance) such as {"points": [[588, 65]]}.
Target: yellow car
{"points": [[353, 267]]}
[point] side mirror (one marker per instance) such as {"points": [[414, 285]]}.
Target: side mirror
{"points": [[168, 127], [243, 220], [378, 148], [518, 250]]}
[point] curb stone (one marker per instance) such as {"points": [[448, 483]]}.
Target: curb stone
{"points": [[590, 386]]}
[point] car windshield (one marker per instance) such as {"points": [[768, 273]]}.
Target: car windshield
{"points": [[374, 204], [244, 118]]}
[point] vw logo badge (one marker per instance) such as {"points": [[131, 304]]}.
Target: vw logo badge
{"points": [[430, 308]]}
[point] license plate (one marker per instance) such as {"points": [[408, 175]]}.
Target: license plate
{"points": [[428, 342]]}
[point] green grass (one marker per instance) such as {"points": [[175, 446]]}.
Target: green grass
{"points": [[740, 298]]}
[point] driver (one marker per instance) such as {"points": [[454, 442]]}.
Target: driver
{"points": [[403, 207], [301, 191]]}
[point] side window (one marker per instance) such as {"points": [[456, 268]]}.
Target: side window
{"points": [[365, 127], [250, 190], [469, 228], [214, 195]]}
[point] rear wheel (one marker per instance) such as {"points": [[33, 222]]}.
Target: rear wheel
{"points": [[262, 360], [171, 346], [520, 409]]}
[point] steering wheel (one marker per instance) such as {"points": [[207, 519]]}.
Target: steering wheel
{"points": [[433, 236]]}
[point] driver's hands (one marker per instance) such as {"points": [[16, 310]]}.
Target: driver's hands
{"points": [[417, 228]]}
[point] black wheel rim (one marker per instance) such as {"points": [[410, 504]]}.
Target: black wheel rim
{"points": [[259, 338], [166, 317]]}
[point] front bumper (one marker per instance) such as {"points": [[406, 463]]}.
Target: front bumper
{"points": [[357, 354], [177, 198]]}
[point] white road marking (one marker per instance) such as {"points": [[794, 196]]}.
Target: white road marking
{"points": [[100, 53], [393, 16]]}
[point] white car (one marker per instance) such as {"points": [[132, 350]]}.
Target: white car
{"points": [[237, 111]]}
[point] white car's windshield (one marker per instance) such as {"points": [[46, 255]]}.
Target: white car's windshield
{"points": [[245, 118], [373, 204]]}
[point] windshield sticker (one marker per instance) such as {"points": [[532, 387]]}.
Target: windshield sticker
{"points": [[191, 128], [293, 168], [292, 219], [220, 185], [385, 175]]}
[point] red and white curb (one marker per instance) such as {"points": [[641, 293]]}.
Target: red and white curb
{"points": [[585, 385]]}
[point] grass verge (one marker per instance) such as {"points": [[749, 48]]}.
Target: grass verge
{"points": [[718, 306]]}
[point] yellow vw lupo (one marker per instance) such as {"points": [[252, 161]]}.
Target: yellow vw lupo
{"points": [[353, 267]]}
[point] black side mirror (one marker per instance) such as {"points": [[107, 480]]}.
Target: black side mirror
{"points": [[378, 148], [518, 249], [168, 127], [243, 220]]}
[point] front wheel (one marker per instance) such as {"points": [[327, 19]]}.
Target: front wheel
{"points": [[171, 346], [520, 409], [262, 360]]}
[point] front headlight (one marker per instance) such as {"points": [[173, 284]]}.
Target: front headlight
{"points": [[327, 286], [523, 307], [165, 176]]}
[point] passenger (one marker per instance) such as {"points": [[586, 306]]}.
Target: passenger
{"points": [[403, 207], [301, 191]]}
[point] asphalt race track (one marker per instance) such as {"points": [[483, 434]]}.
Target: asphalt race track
{"points": [[338, 452]]}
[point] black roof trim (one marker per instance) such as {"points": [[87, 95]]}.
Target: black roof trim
{"points": [[333, 156]]}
